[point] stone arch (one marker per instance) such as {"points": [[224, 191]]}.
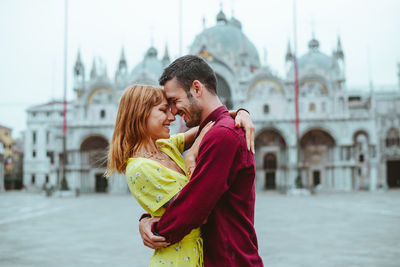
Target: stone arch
{"points": [[95, 147], [93, 154], [270, 137], [271, 158], [330, 131], [316, 154], [360, 132], [106, 96]]}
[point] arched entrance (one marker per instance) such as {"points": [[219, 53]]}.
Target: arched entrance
{"points": [[224, 92], [269, 164], [392, 143], [94, 155], [271, 159], [316, 154]]}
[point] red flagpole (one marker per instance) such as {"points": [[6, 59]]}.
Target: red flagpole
{"points": [[296, 94]]}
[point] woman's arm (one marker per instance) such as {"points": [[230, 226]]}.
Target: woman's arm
{"points": [[243, 120], [190, 136]]}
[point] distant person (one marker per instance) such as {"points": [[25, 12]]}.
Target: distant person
{"points": [[152, 161], [221, 189]]}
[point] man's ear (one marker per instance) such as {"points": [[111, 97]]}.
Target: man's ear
{"points": [[197, 88]]}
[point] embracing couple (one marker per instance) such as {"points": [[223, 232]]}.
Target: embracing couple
{"points": [[201, 206]]}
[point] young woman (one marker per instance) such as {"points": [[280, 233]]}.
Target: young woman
{"points": [[153, 164]]}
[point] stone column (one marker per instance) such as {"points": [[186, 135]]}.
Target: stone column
{"points": [[373, 178]]}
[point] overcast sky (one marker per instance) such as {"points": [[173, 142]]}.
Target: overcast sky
{"points": [[31, 32]]}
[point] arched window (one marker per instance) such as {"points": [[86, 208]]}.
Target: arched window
{"points": [[312, 107], [270, 162], [392, 138]]}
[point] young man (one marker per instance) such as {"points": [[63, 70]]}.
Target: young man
{"points": [[221, 189]]}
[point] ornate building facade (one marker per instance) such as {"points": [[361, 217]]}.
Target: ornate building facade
{"points": [[348, 140]]}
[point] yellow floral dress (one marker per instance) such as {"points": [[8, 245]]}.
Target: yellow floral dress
{"points": [[153, 185]]}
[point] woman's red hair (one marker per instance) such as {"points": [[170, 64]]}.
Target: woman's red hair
{"points": [[129, 132]]}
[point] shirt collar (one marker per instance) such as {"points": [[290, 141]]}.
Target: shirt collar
{"points": [[212, 117]]}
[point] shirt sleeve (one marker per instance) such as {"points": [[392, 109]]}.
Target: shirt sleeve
{"points": [[210, 180], [152, 186]]}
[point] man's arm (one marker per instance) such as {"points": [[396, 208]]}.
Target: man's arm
{"points": [[217, 159]]}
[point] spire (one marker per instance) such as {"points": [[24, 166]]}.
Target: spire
{"points": [[122, 61], [79, 69], [166, 59], [221, 17], [339, 49], [93, 72], [122, 71], [79, 74], [204, 22], [78, 59], [265, 56], [289, 54]]}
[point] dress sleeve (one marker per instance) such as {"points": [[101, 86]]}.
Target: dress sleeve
{"points": [[151, 185], [178, 140]]}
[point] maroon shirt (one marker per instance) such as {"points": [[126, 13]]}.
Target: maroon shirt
{"points": [[221, 190]]}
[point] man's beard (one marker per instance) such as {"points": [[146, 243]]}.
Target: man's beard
{"points": [[195, 113]]}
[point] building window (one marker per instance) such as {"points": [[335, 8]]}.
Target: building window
{"points": [[33, 154], [34, 137], [323, 106], [33, 114], [33, 179], [102, 113], [47, 179], [361, 158], [266, 109], [312, 107], [47, 137], [48, 114]]}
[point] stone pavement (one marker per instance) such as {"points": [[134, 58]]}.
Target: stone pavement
{"points": [[328, 229]]}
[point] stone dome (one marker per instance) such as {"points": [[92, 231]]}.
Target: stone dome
{"points": [[150, 65], [315, 58], [227, 42]]}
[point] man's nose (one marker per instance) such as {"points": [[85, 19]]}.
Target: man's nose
{"points": [[171, 117], [174, 110]]}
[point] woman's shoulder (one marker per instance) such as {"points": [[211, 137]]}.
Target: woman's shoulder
{"points": [[176, 142], [137, 164]]}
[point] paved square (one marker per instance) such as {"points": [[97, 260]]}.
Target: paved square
{"points": [[341, 229]]}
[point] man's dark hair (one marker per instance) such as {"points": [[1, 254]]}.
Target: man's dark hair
{"points": [[188, 68]]}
